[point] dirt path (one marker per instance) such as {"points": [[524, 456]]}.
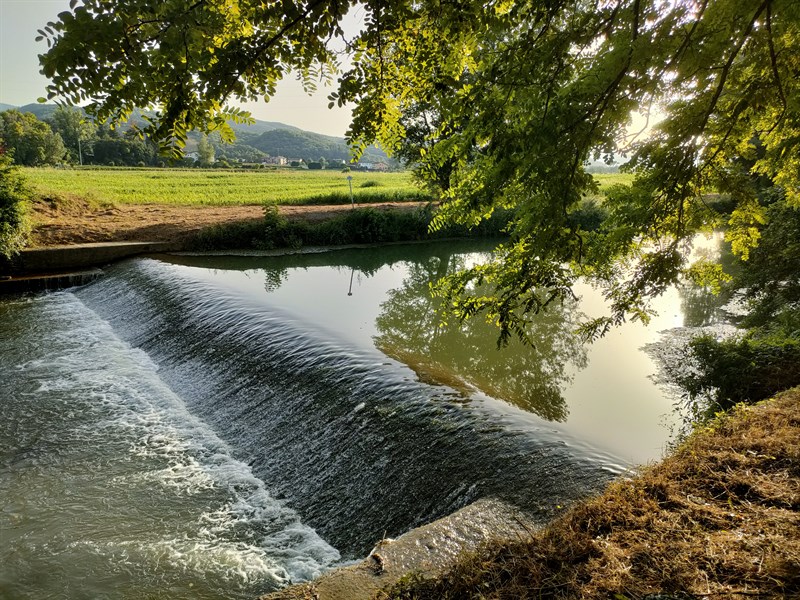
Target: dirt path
{"points": [[79, 223]]}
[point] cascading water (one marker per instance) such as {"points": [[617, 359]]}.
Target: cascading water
{"points": [[109, 487], [170, 434], [347, 439]]}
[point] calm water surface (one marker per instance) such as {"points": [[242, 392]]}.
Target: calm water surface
{"points": [[379, 298], [215, 427]]}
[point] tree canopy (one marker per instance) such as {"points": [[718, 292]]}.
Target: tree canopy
{"points": [[518, 95], [28, 140]]}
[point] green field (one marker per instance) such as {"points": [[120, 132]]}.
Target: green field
{"points": [[220, 187], [608, 179]]}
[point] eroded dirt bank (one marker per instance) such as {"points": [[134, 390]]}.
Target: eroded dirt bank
{"points": [[79, 222]]}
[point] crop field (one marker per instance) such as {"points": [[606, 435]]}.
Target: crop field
{"points": [[226, 187], [221, 187], [608, 179]]}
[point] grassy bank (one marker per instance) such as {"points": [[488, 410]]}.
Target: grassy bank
{"points": [[717, 519], [222, 187], [358, 226]]}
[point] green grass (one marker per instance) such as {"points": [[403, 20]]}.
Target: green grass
{"points": [[361, 226], [221, 187], [608, 179]]}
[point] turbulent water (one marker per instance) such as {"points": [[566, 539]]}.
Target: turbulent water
{"points": [[167, 434], [110, 486]]}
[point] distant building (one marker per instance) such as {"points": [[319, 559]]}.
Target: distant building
{"points": [[276, 160], [368, 166]]}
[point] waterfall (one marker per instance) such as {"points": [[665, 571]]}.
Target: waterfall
{"points": [[347, 438]]}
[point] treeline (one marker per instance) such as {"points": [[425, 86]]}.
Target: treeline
{"points": [[67, 137], [38, 135]]}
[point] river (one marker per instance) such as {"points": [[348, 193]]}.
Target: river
{"points": [[217, 426]]}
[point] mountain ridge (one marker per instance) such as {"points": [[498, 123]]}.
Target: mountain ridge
{"points": [[269, 137]]}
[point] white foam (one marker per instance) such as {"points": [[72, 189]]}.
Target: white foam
{"points": [[178, 452]]}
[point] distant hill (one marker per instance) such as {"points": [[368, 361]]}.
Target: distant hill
{"points": [[42, 111], [307, 145], [271, 137], [260, 127]]}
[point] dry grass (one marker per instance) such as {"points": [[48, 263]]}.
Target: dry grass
{"points": [[718, 519]]}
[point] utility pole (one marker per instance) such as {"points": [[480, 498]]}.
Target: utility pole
{"points": [[350, 181]]}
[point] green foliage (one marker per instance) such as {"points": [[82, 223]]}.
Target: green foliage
{"points": [[588, 216], [708, 275], [28, 140], [305, 144], [239, 152], [77, 133], [770, 278], [356, 226], [742, 370], [14, 198], [767, 359], [112, 148], [520, 109], [188, 58], [206, 151], [503, 104]]}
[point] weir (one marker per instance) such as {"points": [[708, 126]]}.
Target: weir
{"points": [[218, 427], [344, 436]]}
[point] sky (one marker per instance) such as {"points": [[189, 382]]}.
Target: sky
{"points": [[21, 83]]}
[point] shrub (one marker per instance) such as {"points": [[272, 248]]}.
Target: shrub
{"points": [[357, 226], [14, 198], [589, 216], [747, 369]]}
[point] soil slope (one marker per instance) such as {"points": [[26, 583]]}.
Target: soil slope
{"points": [[78, 222]]}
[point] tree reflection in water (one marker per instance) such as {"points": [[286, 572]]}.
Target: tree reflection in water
{"points": [[466, 357], [701, 307]]}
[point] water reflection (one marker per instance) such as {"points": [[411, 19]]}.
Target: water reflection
{"points": [[607, 400], [701, 307], [465, 356]]}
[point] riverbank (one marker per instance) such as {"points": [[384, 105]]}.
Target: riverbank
{"points": [[70, 220], [73, 234], [719, 518]]}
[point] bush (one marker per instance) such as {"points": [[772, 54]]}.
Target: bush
{"points": [[357, 226], [748, 369], [589, 216], [14, 198]]}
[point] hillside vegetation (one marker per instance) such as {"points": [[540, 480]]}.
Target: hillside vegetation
{"points": [[253, 141]]}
